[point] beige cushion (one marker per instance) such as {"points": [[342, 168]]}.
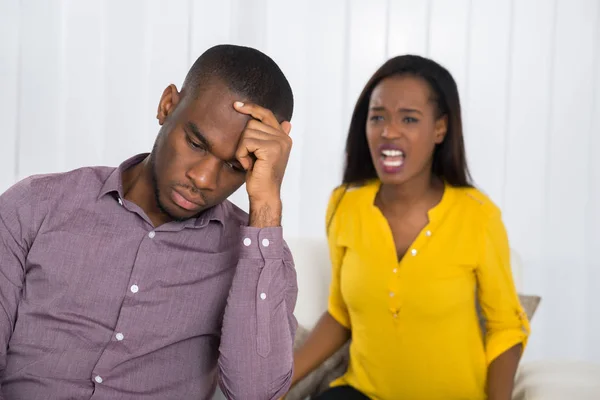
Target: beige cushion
{"points": [[558, 381], [335, 366]]}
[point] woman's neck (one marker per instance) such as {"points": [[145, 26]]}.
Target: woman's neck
{"points": [[428, 189]]}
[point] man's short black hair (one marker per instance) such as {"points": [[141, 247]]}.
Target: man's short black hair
{"points": [[247, 72]]}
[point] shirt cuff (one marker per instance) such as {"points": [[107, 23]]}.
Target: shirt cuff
{"points": [[261, 243]]}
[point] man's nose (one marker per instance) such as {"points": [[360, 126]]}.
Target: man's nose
{"points": [[205, 174]]}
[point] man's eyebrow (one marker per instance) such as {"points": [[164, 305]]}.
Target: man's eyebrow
{"points": [[190, 126]]}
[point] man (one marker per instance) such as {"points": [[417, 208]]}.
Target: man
{"points": [[144, 282]]}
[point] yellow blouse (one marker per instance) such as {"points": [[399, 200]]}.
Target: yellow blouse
{"points": [[415, 328]]}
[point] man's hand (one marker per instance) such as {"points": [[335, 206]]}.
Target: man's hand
{"points": [[264, 151]]}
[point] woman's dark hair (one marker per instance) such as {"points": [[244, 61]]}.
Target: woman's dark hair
{"points": [[449, 159]]}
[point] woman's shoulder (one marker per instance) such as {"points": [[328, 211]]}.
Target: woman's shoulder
{"points": [[347, 197], [477, 201]]}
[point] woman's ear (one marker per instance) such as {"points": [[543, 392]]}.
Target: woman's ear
{"points": [[441, 128]]}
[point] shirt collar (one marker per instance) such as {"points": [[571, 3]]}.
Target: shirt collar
{"points": [[435, 214], [114, 184]]}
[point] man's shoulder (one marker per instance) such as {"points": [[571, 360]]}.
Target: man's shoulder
{"points": [[43, 187], [234, 215]]}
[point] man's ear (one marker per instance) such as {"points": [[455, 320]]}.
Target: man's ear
{"points": [[169, 99], [441, 128]]}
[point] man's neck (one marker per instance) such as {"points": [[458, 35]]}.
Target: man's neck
{"points": [[138, 187]]}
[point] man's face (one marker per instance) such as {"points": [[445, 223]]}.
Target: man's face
{"points": [[193, 159]]}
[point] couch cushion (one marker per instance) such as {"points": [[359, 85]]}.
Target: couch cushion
{"points": [[557, 381]]}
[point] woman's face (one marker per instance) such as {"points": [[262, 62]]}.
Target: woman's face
{"points": [[403, 128]]}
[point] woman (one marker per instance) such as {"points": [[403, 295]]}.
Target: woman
{"points": [[416, 251]]}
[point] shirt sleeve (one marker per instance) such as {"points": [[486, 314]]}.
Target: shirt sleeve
{"points": [[16, 227], [256, 351], [336, 305], [506, 323]]}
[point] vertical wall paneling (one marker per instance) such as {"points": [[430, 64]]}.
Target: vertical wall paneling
{"points": [[567, 169], [168, 46], [325, 125], [592, 211], [408, 27], [9, 93], [448, 44], [84, 82], [248, 23], [485, 102], [528, 126], [41, 97], [126, 92], [367, 39], [211, 23]]}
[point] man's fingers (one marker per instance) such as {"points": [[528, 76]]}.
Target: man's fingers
{"points": [[257, 112], [260, 144], [287, 127]]}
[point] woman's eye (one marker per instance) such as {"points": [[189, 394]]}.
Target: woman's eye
{"points": [[410, 120], [376, 118]]}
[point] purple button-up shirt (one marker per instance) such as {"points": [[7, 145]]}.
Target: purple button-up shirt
{"points": [[96, 303]]}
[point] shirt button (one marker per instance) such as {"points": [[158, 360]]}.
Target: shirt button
{"points": [[263, 296], [247, 242], [428, 233], [391, 294], [119, 336], [134, 288], [395, 270], [265, 242], [120, 201], [413, 252], [151, 234], [395, 315], [98, 379]]}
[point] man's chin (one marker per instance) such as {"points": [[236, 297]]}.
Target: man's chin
{"points": [[177, 213]]}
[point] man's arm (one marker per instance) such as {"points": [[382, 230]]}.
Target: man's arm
{"points": [[16, 216], [256, 353]]}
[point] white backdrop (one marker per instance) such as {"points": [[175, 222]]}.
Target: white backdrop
{"points": [[80, 82]]}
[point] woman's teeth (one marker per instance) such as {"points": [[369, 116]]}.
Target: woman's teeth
{"points": [[392, 158], [392, 153]]}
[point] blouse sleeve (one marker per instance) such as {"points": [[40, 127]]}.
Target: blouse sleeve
{"points": [[337, 306], [506, 323]]}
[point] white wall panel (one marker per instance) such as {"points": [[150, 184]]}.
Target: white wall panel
{"points": [[528, 126], [9, 90], [448, 37], [41, 84], [366, 46], [485, 99], [408, 22], [592, 211], [567, 173], [83, 84], [326, 124]]}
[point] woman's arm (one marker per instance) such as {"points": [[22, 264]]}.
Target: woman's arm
{"points": [[325, 339], [501, 374], [506, 325]]}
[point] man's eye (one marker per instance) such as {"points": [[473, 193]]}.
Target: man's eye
{"points": [[235, 167], [193, 144]]}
